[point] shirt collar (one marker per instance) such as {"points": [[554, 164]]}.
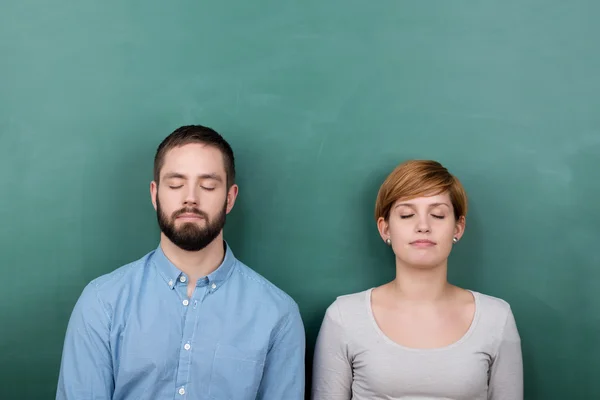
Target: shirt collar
{"points": [[170, 273]]}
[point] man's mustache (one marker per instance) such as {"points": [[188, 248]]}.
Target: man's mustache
{"points": [[190, 211]]}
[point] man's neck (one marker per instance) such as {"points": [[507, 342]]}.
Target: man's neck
{"points": [[195, 264]]}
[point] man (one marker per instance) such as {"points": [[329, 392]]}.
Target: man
{"points": [[188, 320]]}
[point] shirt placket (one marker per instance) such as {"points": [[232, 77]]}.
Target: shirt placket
{"points": [[190, 312]]}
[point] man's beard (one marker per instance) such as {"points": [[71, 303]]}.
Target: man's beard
{"points": [[189, 236]]}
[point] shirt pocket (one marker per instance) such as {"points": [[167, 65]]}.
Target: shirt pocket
{"points": [[236, 373]]}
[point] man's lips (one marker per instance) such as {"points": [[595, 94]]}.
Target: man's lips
{"points": [[190, 216]]}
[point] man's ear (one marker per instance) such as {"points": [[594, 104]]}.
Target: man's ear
{"points": [[153, 193], [231, 197]]}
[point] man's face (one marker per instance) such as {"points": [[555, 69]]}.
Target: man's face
{"points": [[192, 199]]}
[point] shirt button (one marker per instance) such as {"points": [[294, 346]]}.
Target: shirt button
{"points": [[171, 283], [182, 391], [182, 278], [186, 302], [187, 346], [214, 286]]}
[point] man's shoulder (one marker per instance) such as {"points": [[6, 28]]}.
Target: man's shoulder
{"points": [[122, 274], [112, 284], [261, 287]]}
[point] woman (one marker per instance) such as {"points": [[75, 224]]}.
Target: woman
{"points": [[419, 337]]}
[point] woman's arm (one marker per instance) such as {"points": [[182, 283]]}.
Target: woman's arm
{"points": [[506, 375], [332, 366]]}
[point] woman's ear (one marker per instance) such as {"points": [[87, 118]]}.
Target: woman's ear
{"points": [[384, 228], [459, 229]]}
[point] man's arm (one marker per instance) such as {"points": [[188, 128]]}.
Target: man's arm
{"points": [[86, 366], [283, 376]]}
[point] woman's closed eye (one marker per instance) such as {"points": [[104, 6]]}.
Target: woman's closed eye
{"points": [[406, 216]]}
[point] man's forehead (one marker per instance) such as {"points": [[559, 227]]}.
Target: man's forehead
{"points": [[194, 159]]}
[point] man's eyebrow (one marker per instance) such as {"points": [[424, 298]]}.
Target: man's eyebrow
{"points": [[177, 175], [216, 177], [174, 175]]}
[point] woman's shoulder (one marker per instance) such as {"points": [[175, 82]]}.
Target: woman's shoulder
{"points": [[491, 303], [494, 311], [351, 299], [348, 307]]}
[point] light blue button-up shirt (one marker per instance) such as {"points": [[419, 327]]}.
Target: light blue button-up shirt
{"points": [[134, 334]]}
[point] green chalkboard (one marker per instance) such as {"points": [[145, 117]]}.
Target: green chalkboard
{"points": [[320, 100]]}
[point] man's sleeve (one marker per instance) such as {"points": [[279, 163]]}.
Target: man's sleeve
{"points": [[86, 365], [283, 376]]}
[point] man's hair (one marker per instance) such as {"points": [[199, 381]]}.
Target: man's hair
{"points": [[416, 178], [195, 134]]}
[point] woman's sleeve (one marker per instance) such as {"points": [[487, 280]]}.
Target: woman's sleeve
{"points": [[506, 374], [332, 366]]}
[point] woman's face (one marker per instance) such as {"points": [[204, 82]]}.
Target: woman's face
{"points": [[422, 230]]}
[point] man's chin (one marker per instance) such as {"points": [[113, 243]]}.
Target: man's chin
{"points": [[192, 245]]}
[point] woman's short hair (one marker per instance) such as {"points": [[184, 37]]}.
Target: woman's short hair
{"points": [[417, 178]]}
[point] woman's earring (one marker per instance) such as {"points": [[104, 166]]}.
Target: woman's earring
{"points": [[388, 241], [454, 240]]}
